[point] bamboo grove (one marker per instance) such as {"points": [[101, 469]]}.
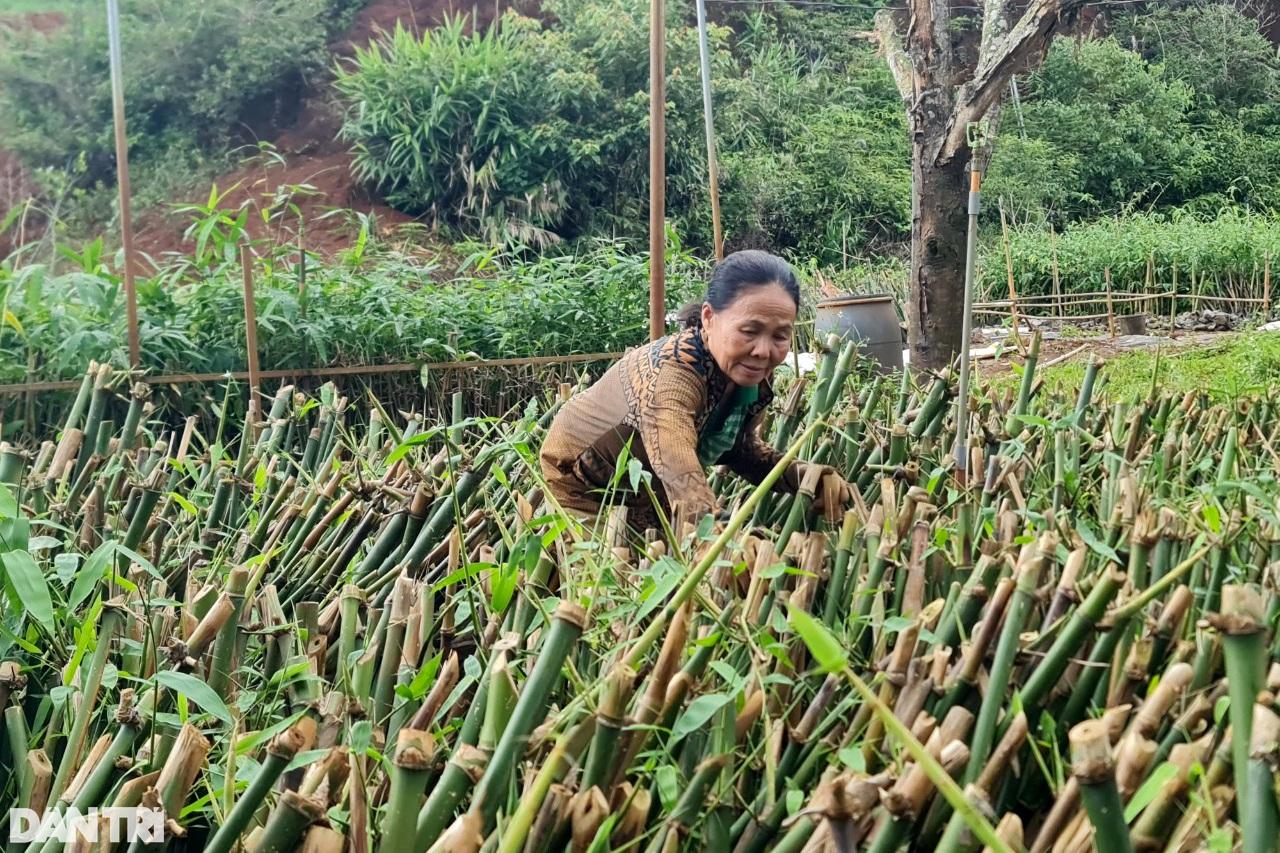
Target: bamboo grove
{"points": [[340, 628]]}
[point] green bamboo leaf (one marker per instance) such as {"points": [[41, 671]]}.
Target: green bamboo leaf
{"points": [[302, 759], [470, 570], [187, 506], [197, 691], [667, 780], [1213, 516], [421, 683], [136, 558], [1096, 544], [824, 648], [853, 758], [32, 589], [1150, 788], [64, 567], [247, 745], [732, 677], [15, 533], [403, 448], [698, 714], [635, 470], [1220, 841], [600, 842], [502, 585]]}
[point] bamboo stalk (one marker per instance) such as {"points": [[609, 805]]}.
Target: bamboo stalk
{"points": [[1093, 767], [1243, 646], [280, 752], [411, 766]]}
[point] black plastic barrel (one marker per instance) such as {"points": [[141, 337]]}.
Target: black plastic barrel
{"points": [[871, 320]]}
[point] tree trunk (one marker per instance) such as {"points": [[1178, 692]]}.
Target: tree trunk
{"points": [[949, 85], [939, 222]]}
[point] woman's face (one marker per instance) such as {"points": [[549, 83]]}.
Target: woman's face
{"points": [[752, 336]]}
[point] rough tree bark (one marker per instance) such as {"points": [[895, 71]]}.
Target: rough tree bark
{"points": [[953, 69]]}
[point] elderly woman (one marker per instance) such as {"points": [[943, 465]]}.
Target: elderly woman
{"points": [[688, 401]]}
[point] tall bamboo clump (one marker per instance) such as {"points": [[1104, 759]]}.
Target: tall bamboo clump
{"points": [[375, 630]]}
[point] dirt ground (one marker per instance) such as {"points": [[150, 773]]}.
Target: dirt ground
{"points": [[1056, 349]]}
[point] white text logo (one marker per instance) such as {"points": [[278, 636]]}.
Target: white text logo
{"points": [[116, 824]]}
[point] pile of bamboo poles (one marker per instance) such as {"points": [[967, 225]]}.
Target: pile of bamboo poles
{"points": [[328, 632]]}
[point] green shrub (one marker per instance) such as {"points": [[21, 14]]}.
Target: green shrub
{"points": [[1120, 122], [525, 131], [1213, 48], [194, 74], [455, 125], [541, 131], [1188, 118], [815, 154]]}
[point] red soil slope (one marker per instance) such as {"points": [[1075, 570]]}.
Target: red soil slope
{"points": [[311, 152], [16, 186]]}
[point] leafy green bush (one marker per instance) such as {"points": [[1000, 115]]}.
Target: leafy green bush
{"points": [[1213, 48], [389, 308], [194, 74], [815, 154], [524, 131], [1234, 73], [1180, 107], [1120, 122], [540, 130], [456, 125]]}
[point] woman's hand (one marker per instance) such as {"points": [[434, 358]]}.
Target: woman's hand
{"points": [[833, 494]]}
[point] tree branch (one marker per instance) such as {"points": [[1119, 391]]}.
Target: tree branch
{"points": [[929, 39], [1001, 57], [886, 35], [997, 16]]}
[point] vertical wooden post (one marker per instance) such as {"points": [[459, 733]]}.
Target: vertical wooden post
{"points": [[122, 173], [1008, 265], [713, 172], [961, 448], [1266, 285], [1195, 288], [1151, 283], [1111, 311], [250, 330], [1057, 290], [657, 168]]}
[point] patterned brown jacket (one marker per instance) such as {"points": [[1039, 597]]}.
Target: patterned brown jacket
{"points": [[658, 398]]}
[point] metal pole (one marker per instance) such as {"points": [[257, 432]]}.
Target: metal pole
{"points": [[250, 330], [713, 172], [122, 171], [657, 169], [966, 325]]}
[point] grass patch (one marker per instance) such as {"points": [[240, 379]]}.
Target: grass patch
{"points": [[1241, 364]]}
